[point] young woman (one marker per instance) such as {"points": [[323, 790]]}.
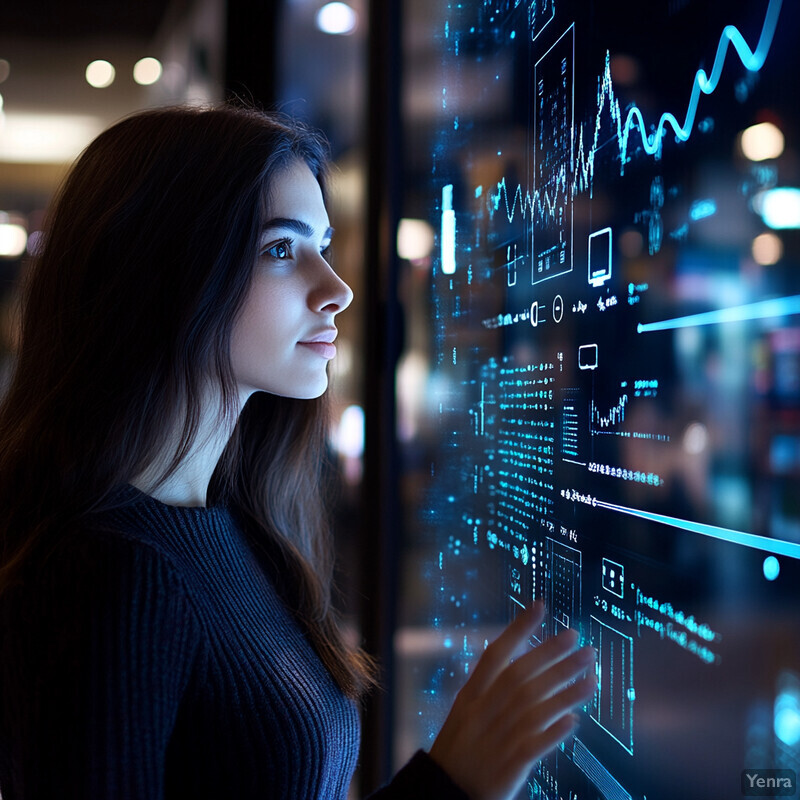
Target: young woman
{"points": [[165, 620]]}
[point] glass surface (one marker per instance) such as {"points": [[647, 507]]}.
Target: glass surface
{"points": [[600, 393]]}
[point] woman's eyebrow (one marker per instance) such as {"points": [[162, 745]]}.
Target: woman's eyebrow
{"points": [[297, 225]]}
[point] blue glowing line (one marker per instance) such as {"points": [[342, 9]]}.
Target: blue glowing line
{"points": [[510, 597], [703, 84], [777, 546], [777, 307], [752, 61]]}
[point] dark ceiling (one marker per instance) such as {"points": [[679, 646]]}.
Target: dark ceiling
{"points": [[72, 19]]}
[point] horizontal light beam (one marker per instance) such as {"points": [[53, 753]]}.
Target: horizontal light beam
{"points": [[766, 543], [777, 307]]}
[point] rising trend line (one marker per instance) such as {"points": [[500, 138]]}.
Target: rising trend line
{"points": [[703, 84], [752, 60]]}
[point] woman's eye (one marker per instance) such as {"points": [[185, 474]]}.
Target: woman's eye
{"points": [[280, 251]]}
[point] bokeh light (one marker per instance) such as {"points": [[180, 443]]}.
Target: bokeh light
{"points": [[695, 438], [13, 240], [767, 249], [779, 207], [337, 18], [147, 71], [415, 239], [762, 141], [100, 74], [771, 568]]}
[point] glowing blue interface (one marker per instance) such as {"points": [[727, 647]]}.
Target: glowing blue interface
{"points": [[612, 405]]}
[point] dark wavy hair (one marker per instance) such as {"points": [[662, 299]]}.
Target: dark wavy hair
{"points": [[148, 257]]}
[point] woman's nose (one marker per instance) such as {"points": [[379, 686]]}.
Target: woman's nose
{"points": [[333, 293]]}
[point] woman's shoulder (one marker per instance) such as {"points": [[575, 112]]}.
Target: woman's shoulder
{"points": [[95, 554]]}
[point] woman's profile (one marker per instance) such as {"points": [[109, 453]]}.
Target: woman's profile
{"points": [[166, 625]]}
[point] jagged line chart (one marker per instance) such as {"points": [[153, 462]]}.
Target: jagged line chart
{"points": [[528, 201], [539, 201], [614, 417]]}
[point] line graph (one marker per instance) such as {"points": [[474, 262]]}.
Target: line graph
{"points": [[542, 202], [752, 60], [614, 417]]}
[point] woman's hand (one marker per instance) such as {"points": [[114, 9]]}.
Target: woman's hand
{"points": [[511, 713]]}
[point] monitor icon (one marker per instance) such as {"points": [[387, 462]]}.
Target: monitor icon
{"points": [[587, 356], [600, 257]]}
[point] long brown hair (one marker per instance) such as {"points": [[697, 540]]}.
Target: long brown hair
{"points": [[148, 256]]}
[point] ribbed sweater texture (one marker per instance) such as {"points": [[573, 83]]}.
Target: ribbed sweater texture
{"points": [[153, 658]]}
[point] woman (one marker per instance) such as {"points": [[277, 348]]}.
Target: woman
{"points": [[165, 576]]}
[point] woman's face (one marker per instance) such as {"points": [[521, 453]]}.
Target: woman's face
{"points": [[283, 338]]}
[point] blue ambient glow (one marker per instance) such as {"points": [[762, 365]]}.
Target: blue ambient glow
{"points": [[787, 718], [702, 209]]}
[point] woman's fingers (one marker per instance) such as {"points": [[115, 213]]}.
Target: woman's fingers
{"points": [[534, 704], [541, 657], [538, 674], [538, 715], [496, 656], [543, 683]]}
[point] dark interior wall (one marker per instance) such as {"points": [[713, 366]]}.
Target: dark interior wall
{"points": [[251, 54]]}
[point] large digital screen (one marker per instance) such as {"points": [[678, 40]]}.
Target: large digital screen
{"points": [[613, 375]]}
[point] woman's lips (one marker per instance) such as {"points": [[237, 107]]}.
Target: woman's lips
{"points": [[324, 349]]}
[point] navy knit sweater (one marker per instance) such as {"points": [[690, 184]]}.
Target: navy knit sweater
{"points": [[152, 658]]}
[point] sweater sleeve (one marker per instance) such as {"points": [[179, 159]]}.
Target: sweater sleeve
{"points": [[423, 779], [100, 654]]}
